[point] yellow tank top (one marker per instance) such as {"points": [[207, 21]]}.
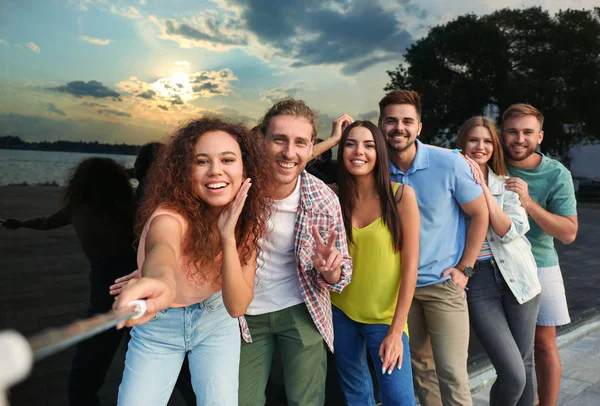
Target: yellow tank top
{"points": [[372, 294]]}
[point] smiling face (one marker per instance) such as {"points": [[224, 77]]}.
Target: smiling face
{"points": [[521, 136], [218, 170], [479, 145], [359, 152], [289, 141], [400, 126]]}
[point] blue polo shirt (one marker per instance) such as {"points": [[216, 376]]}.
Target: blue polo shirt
{"points": [[442, 181]]}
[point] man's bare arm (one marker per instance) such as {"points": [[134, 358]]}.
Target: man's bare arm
{"points": [[563, 228]]}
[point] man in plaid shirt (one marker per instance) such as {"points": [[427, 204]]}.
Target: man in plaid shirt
{"points": [[304, 257]]}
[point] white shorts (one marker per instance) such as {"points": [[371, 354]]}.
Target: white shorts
{"points": [[553, 308]]}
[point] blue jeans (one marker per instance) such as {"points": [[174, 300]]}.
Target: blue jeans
{"points": [[211, 339], [352, 340], [506, 330]]}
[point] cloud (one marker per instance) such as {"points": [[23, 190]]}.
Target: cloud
{"points": [[204, 31], [106, 5], [143, 2], [127, 12], [33, 47], [93, 88], [83, 4], [371, 116], [93, 104], [148, 94], [53, 109], [180, 89], [185, 64], [114, 112], [278, 93], [96, 41], [348, 34], [2, 41], [234, 116]]}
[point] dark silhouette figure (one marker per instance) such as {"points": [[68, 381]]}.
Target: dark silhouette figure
{"points": [[322, 166], [145, 157], [99, 203]]}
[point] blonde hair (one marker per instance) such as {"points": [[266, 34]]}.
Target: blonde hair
{"points": [[520, 110], [496, 162], [289, 107]]}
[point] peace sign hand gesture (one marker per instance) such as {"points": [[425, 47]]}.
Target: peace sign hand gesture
{"points": [[327, 259], [229, 217]]}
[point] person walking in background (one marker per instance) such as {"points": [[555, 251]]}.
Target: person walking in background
{"points": [[504, 293], [370, 315], [99, 203], [199, 225], [546, 190]]}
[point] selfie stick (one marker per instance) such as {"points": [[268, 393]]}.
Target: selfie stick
{"points": [[19, 353]]}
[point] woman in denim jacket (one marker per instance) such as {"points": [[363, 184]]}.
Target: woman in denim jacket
{"points": [[503, 294]]}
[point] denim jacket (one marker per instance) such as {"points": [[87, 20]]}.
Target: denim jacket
{"points": [[512, 252]]}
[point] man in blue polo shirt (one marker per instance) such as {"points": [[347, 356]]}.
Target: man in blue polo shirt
{"points": [[446, 191]]}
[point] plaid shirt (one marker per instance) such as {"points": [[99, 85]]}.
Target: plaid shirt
{"points": [[318, 206]]}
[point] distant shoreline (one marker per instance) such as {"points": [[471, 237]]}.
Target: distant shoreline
{"points": [[134, 153], [16, 143]]}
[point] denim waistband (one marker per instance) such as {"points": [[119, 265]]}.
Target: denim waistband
{"points": [[485, 263]]}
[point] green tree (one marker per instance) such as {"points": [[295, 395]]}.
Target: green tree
{"points": [[482, 64]]}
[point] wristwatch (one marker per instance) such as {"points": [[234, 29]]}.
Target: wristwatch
{"points": [[466, 269]]}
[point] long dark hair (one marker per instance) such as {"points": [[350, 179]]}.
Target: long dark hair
{"points": [[383, 185], [102, 184]]}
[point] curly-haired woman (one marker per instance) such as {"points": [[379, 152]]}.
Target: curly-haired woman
{"points": [[199, 225]]}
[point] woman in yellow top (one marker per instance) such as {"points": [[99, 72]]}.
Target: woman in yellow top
{"points": [[382, 225]]}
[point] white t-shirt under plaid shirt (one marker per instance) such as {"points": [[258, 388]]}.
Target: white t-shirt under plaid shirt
{"points": [[319, 206]]}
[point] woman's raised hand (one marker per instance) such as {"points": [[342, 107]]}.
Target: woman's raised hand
{"points": [[230, 215]]}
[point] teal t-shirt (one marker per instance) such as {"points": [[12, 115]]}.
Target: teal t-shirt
{"points": [[550, 186]]}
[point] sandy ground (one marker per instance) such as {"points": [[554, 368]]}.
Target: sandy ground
{"points": [[44, 284]]}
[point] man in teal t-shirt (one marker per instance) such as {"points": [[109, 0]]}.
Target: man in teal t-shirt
{"points": [[546, 190]]}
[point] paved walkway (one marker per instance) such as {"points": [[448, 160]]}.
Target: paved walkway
{"points": [[580, 357]]}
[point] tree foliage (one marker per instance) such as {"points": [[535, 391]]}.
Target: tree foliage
{"points": [[476, 64]]}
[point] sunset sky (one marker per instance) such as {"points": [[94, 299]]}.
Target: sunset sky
{"points": [[130, 71]]}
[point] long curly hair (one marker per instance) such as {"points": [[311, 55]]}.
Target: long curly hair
{"points": [[102, 184], [170, 186]]}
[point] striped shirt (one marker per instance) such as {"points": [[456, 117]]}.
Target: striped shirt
{"points": [[486, 252], [319, 206]]}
